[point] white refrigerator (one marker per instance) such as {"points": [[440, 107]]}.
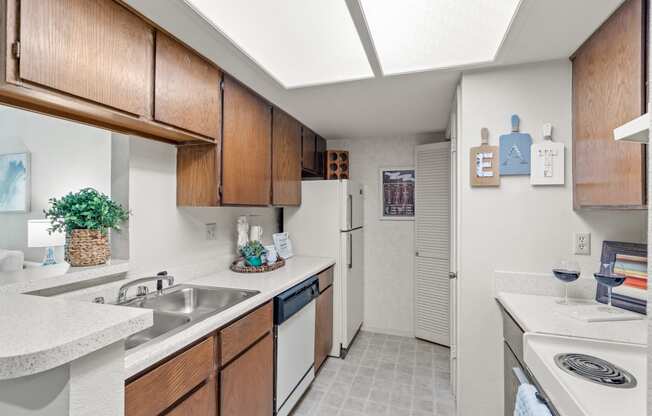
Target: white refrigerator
{"points": [[329, 223]]}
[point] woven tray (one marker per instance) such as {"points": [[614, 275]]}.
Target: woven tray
{"points": [[239, 266]]}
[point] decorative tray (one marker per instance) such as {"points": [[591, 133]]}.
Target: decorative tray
{"points": [[239, 266]]}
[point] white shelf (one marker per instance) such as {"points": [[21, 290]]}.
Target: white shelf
{"points": [[637, 130]]}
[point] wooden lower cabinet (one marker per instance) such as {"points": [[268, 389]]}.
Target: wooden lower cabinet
{"points": [[247, 383], [203, 402], [156, 391], [324, 318]]}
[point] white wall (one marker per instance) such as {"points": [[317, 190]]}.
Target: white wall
{"points": [[65, 157], [516, 227], [389, 245], [161, 235]]}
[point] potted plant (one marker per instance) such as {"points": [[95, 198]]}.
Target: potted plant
{"points": [[86, 217], [252, 252]]}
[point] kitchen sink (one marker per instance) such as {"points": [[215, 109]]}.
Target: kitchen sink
{"points": [[180, 306], [195, 300], [163, 323]]}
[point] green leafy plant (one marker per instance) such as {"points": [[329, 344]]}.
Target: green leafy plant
{"points": [[87, 209], [252, 249]]}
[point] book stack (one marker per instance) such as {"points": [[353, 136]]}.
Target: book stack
{"points": [[634, 268]]}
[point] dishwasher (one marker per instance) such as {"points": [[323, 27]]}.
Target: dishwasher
{"points": [[294, 335]]}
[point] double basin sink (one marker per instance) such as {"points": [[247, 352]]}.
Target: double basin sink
{"points": [[181, 306]]}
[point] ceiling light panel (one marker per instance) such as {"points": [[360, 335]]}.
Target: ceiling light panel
{"points": [[297, 42], [421, 35]]}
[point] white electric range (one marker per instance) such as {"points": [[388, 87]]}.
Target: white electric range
{"points": [[578, 384]]}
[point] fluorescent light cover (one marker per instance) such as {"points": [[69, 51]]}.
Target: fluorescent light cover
{"points": [[421, 35], [297, 42]]}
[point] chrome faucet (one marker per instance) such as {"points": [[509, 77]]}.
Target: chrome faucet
{"points": [[122, 293]]}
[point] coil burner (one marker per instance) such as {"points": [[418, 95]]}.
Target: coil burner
{"points": [[595, 370]]}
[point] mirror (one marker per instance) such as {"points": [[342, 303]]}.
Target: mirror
{"points": [[43, 157]]}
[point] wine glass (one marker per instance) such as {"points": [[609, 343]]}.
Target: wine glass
{"points": [[567, 271], [609, 278]]}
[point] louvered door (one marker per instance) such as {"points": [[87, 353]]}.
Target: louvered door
{"points": [[432, 230]]}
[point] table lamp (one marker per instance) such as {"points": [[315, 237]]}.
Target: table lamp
{"points": [[38, 236]]}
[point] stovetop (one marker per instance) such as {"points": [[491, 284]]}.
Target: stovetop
{"points": [[584, 377], [595, 370]]}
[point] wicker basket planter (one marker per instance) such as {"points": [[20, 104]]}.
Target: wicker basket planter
{"points": [[87, 248]]}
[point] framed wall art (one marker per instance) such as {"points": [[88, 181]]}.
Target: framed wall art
{"points": [[397, 193], [14, 182]]}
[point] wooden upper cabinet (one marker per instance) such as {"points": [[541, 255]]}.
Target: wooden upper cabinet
{"points": [[608, 91], [286, 159], [247, 146], [198, 175], [320, 152], [96, 50], [309, 161], [187, 89]]}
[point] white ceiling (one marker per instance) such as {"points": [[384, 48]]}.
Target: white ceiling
{"points": [[422, 35], [301, 43], [385, 105]]}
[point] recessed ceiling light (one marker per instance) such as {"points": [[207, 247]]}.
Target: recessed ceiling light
{"points": [[297, 42], [421, 35]]}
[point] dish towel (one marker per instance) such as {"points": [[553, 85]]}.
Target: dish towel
{"points": [[527, 403]]}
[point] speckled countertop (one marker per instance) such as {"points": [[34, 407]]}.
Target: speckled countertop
{"points": [[541, 314], [38, 278], [38, 334], [270, 284]]}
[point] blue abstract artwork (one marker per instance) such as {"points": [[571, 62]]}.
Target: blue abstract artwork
{"points": [[14, 182]]}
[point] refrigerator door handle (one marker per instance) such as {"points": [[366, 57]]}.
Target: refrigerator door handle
{"points": [[350, 251], [350, 219]]}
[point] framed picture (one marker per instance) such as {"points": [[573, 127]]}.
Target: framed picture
{"points": [[397, 193], [629, 259], [14, 182]]}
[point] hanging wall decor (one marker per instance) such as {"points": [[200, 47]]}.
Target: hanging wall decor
{"points": [[515, 151], [15, 182], [397, 193], [547, 160], [484, 163]]}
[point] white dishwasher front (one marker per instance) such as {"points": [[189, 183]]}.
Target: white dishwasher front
{"points": [[295, 345]]}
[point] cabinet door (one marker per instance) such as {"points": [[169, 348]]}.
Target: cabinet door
{"points": [[608, 91], [187, 93], [511, 382], [246, 148], [286, 163], [203, 402], [320, 152], [96, 50], [160, 388], [309, 148], [324, 326], [198, 175], [247, 383]]}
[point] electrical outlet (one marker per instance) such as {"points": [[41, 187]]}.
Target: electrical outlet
{"points": [[211, 231], [582, 243]]}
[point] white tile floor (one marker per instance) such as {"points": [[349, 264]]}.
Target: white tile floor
{"points": [[383, 375]]}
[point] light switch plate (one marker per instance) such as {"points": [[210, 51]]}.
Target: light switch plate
{"points": [[582, 243]]}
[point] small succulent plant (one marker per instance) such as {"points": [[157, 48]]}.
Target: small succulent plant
{"points": [[252, 249]]}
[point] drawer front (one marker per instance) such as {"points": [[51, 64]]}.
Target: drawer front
{"points": [[325, 278], [513, 335], [157, 390], [241, 334], [202, 402]]}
